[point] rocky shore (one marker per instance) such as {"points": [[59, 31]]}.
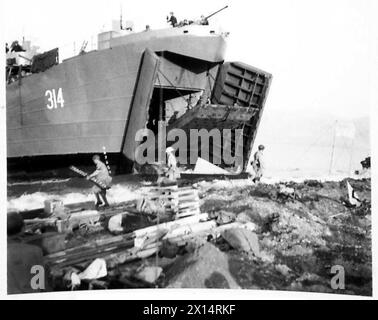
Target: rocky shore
{"points": [[301, 232]]}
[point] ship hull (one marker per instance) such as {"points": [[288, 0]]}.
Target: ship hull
{"points": [[98, 101], [97, 90]]}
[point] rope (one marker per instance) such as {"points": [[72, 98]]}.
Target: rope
{"points": [[344, 147], [171, 83], [106, 160], [316, 141]]}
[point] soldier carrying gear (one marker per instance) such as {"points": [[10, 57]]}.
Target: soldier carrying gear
{"points": [[102, 175]]}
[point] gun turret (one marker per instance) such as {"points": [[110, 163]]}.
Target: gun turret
{"points": [[214, 13]]}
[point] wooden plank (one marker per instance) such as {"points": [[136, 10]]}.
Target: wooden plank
{"points": [[78, 257], [182, 193], [96, 244], [170, 224], [189, 210], [188, 213], [157, 196], [188, 205], [186, 188], [178, 235], [162, 194], [189, 199], [164, 189]]}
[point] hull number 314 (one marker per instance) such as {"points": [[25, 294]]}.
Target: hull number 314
{"points": [[54, 99]]}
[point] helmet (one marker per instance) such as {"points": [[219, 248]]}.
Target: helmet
{"points": [[261, 147]]}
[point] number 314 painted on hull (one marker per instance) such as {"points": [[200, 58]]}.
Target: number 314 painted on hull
{"points": [[54, 99]]}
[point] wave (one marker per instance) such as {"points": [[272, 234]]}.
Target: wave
{"points": [[33, 201], [22, 183]]}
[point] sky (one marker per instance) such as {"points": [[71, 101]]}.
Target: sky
{"points": [[322, 54], [319, 52]]}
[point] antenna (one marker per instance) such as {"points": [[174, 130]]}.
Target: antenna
{"points": [[23, 34], [333, 148], [120, 18]]}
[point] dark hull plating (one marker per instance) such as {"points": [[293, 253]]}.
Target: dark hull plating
{"points": [[74, 109]]}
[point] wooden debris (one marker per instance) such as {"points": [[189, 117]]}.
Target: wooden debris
{"points": [[188, 203], [53, 206], [119, 243], [188, 224], [182, 201]]}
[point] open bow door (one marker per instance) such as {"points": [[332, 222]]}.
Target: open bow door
{"points": [[138, 116]]}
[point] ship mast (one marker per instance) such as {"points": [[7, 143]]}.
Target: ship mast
{"points": [[333, 148], [120, 18]]}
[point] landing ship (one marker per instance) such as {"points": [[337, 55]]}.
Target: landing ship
{"points": [[61, 112]]}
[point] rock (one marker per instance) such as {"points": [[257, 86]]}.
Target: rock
{"points": [[193, 244], [309, 277], [115, 223], [319, 288], [207, 267], [286, 190], [249, 226], [224, 217], [243, 217], [243, 240], [283, 269], [216, 280], [168, 249], [49, 242], [166, 263], [300, 234], [313, 183], [268, 221], [149, 274], [267, 257]]}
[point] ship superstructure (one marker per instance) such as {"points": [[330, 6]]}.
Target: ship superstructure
{"points": [[102, 98]]}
